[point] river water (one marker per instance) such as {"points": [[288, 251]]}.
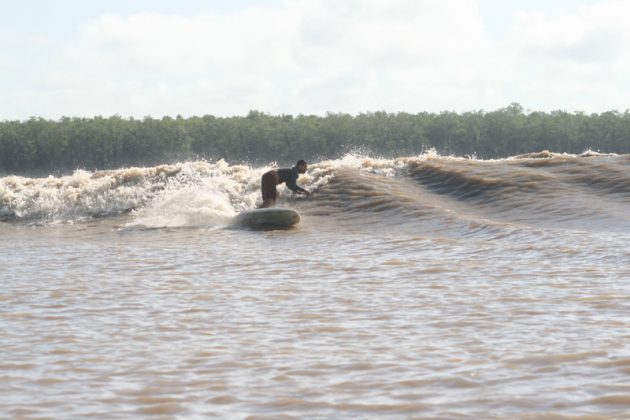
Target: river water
{"points": [[422, 287]]}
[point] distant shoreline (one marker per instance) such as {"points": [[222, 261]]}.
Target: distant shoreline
{"points": [[38, 145]]}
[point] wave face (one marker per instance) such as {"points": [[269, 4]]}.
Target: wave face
{"points": [[433, 193]]}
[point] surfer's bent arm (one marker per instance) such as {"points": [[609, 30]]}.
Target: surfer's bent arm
{"points": [[295, 188]]}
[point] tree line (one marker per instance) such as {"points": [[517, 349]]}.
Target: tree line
{"points": [[40, 145]]}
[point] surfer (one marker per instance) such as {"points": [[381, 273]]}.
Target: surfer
{"points": [[278, 176]]}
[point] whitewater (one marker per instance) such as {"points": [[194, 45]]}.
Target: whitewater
{"points": [[422, 286]]}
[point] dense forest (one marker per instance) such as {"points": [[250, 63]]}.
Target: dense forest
{"points": [[38, 145]]}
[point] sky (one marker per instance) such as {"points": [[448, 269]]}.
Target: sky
{"points": [[137, 58]]}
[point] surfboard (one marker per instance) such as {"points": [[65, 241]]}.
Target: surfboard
{"points": [[268, 218]]}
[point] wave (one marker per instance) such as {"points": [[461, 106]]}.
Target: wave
{"points": [[153, 192], [429, 192]]}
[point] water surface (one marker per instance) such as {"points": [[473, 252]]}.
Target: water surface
{"points": [[424, 287]]}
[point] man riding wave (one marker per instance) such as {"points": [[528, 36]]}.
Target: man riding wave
{"points": [[278, 176]]}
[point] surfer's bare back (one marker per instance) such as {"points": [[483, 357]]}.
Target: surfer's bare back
{"points": [[278, 176]]}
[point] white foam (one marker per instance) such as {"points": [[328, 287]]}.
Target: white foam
{"points": [[197, 193]]}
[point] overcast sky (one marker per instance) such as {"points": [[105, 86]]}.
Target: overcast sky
{"points": [[194, 57]]}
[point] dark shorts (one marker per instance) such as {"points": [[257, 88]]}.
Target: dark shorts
{"points": [[268, 185]]}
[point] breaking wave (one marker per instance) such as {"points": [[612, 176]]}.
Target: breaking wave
{"points": [[429, 192]]}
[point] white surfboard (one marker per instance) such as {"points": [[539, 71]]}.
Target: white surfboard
{"points": [[268, 218]]}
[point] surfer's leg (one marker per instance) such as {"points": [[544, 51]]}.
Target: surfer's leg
{"points": [[268, 188], [267, 203]]}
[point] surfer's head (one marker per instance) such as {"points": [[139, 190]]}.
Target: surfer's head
{"points": [[301, 166]]}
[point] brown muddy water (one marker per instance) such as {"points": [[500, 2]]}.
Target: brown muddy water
{"points": [[419, 287]]}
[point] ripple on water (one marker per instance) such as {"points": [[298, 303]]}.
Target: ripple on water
{"points": [[376, 324]]}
